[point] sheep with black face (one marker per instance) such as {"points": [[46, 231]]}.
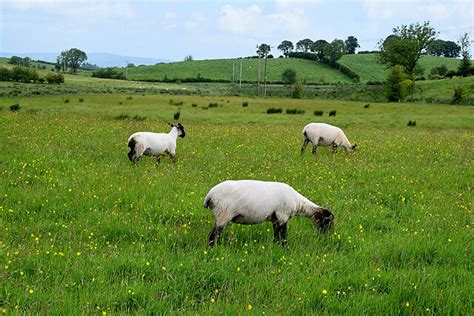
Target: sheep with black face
{"points": [[155, 144], [253, 202]]}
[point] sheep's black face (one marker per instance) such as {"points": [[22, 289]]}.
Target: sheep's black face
{"points": [[181, 132], [353, 147], [323, 219]]}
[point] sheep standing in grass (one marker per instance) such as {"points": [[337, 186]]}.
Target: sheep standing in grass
{"points": [[253, 202], [321, 134], [155, 144]]}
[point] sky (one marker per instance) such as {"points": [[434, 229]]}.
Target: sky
{"points": [[173, 29]]}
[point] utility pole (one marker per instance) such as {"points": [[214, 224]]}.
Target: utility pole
{"points": [[265, 78], [233, 71], [258, 77], [240, 80]]}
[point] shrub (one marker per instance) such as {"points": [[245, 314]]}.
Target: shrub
{"points": [[294, 111], [5, 74], [274, 110], [109, 73], [177, 115], [298, 90], [177, 103], [289, 76], [318, 113], [122, 117], [213, 105], [54, 78], [457, 95], [332, 113], [194, 105], [245, 104], [66, 100], [139, 118], [15, 107], [129, 97], [22, 74], [81, 99], [366, 106], [393, 85], [411, 123]]}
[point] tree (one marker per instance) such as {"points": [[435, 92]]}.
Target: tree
{"points": [[394, 88], [443, 48], [263, 50], [407, 46], [465, 64], [188, 58], [289, 76], [351, 44], [286, 47], [75, 58], [318, 47], [334, 50], [304, 45]]}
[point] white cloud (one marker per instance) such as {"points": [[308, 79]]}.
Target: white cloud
{"points": [[86, 9], [197, 23], [252, 19], [420, 10]]}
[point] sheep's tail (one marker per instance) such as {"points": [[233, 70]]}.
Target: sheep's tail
{"points": [[207, 201], [131, 143]]}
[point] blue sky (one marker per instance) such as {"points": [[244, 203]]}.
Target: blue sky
{"points": [[213, 29]]}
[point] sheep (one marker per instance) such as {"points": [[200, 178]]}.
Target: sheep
{"points": [[155, 144], [321, 134], [253, 202]]}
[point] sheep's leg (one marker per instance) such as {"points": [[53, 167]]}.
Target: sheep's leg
{"points": [[284, 234], [315, 147], [158, 159], [216, 232], [305, 143], [139, 150], [334, 148], [276, 231], [131, 154]]}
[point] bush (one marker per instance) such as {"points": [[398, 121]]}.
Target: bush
{"points": [[294, 111], [109, 73], [177, 115], [289, 76], [457, 95], [298, 90], [393, 85], [274, 110], [318, 113], [177, 103], [138, 118], [332, 113], [245, 104], [66, 100], [122, 117], [366, 106], [26, 75], [213, 105], [194, 105], [5, 74], [81, 99], [411, 123], [15, 107], [54, 78], [129, 97]]}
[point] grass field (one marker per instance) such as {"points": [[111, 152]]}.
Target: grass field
{"points": [[221, 69], [369, 69], [83, 231]]}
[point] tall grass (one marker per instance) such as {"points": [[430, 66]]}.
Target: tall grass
{"points": [[84, 231]]}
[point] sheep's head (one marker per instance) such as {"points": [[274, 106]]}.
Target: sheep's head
{"points": [[323, 219], [353, 147], [181, 132]]}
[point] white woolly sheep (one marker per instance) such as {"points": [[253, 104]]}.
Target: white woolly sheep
{"points": [[253, 202], [321, 134], [155, 144]]}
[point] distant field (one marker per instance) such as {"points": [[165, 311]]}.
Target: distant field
{"points": [[368, 68], [221, 69], [84, 231]]}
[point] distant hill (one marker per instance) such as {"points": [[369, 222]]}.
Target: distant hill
{"points": [[368, 68], [100, 59], [221, 70]]}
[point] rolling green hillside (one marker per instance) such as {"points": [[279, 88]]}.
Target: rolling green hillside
{"points": [[369, 69], [221, 69]]}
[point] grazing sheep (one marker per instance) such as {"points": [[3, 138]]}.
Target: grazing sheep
{"points": [[155, 144], [321, 134], [253, 202]]}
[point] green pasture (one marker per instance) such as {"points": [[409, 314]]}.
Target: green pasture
{"points": [[83, 231]]}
